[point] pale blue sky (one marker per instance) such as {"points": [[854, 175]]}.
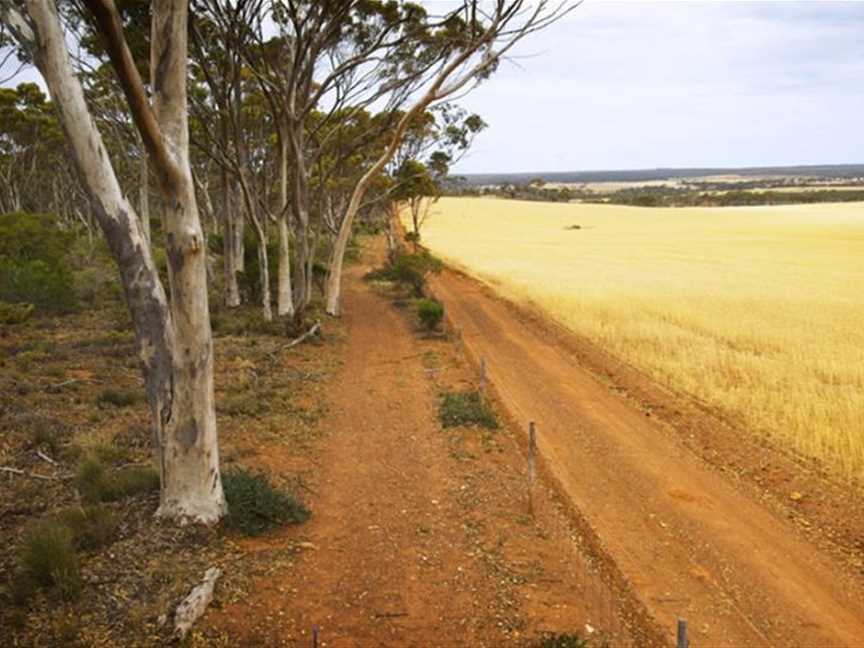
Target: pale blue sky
{"points": [[624, 85]]}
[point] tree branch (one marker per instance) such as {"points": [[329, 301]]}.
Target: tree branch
{"points": [[110, 28]]}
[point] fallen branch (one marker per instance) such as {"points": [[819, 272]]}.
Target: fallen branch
{"points": [[24, 473], [194, 605], [312, 331], [133, 464], [57, 386], [42, 455]]}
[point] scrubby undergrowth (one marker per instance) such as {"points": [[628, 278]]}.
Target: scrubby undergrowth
{"points": [[86, 563]]}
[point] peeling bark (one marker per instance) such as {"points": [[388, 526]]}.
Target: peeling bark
{"points": [[191, 483], [174, 340]]}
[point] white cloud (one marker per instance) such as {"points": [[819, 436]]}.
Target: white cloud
{"points": [[628, 85]]}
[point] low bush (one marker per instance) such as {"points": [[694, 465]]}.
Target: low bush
{"points": [[96, 484], [243, 403], [118, 397], [256, 506], [96, 287], [430, 312], [15, 313], [380, 274], [45, 438], [566, 640], [245, 320], [108, 453], [92, 527], [114, 342], [47, 558], [466, 408], [410, 270]]}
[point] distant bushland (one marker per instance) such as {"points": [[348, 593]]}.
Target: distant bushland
{"points": [[33, 263]]}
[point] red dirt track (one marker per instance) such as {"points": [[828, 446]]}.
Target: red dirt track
{"points": [[689, 542]]}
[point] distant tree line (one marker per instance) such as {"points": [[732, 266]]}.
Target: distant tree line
{"points": [[707, 195], [671, 197]]}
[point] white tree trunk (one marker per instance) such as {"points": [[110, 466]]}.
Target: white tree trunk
{"points": [[285, 297], [174, 341], [230, 225], [264, 271], [229, 254], [239, 215], [191, 484]]}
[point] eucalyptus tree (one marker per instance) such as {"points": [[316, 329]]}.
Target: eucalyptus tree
{"points": [[459, 52], [220, 32], [435, 141], [319, 62], [31, 147], [174, 338]]}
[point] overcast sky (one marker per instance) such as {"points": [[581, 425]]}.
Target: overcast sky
{"points": [[628, 85], [632, 85]]}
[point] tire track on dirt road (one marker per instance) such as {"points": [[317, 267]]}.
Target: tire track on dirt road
{"points": [[690, 544]]}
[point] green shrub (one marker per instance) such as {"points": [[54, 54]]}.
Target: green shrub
{"points": [[408, 269], [249, 280], [380, 274], [568, 640], [33, 267], [47, 558], [412, 269], [245, 320], [15, 313], [108, 453], [133, 480], [242, 403], [96, 484], [466, 408], [430, 312], [95, 286], [92, 526], [45, 438], [118, 397], [41, 346], [255, 505]]}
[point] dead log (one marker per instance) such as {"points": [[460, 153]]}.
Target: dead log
{"points": [[312, 331], [18, 471], [194, 605]]}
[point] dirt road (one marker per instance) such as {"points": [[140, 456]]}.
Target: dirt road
{"points": [[690, 543], [419, 536]]}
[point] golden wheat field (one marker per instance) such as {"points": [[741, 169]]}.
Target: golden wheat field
{"points": [[756, 310]]}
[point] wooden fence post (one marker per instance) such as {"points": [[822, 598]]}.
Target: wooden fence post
{"points": [[682, 642], [532, 464]]}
